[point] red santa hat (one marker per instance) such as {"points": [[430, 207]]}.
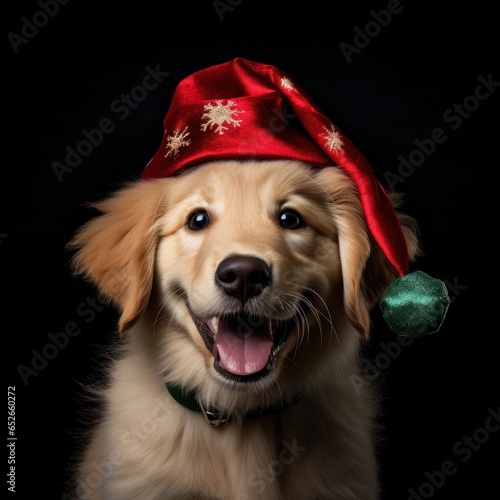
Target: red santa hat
{"points": [[246, 109]]}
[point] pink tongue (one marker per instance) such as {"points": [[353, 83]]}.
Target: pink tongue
{"points": [[243, 350]]}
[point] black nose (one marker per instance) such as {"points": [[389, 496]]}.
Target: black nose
{"points": [[243, 276]]}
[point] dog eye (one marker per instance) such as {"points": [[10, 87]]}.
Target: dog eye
{"points": [[290, 219], [199, 220]]}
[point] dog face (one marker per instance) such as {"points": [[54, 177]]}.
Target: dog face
{"points": [[246, 274], [239, 261]]}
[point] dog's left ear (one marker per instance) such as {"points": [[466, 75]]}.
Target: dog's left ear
{"points": [[116, 250], [366, 271]]}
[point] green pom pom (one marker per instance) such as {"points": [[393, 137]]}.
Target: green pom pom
{"points": [[415, 304]]}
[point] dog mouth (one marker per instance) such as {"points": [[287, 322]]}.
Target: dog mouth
{"points": [[244, 348]]}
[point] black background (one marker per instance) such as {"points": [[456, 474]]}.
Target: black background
{"points": [[396, 89]]}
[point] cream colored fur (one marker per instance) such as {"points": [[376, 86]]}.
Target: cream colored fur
{"points": [[143, 257]]}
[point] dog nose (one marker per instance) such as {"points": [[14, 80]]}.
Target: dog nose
{"points": [[243, 276]]}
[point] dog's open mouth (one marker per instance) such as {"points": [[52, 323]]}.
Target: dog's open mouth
{"points": [[244, 348]]}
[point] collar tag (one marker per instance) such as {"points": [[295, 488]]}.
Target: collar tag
{"points": [[212, 418]]}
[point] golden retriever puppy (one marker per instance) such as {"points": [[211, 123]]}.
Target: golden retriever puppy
{"points": [[244, 289]]}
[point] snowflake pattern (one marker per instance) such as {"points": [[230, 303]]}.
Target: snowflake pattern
{"points": [[333, 140], [286, 83], [216, 115], [177, 141]]}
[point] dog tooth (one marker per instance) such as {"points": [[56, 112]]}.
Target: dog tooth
{"points": [[271, 328], [215, 324]]}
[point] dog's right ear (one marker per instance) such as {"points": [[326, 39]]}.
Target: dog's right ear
{"points": [[353, 241], [116, 250], [366, 271]]}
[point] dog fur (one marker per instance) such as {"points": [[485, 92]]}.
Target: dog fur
{"points": [[326, 274]]}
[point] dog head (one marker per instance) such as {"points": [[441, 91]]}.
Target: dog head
{"points": [[240, 271]]}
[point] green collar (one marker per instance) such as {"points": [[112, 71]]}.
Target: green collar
{"points": [[212, 415]]}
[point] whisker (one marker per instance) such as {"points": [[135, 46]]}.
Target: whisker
{"points": [[158, 318], [300, 319], [315, 311]]}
